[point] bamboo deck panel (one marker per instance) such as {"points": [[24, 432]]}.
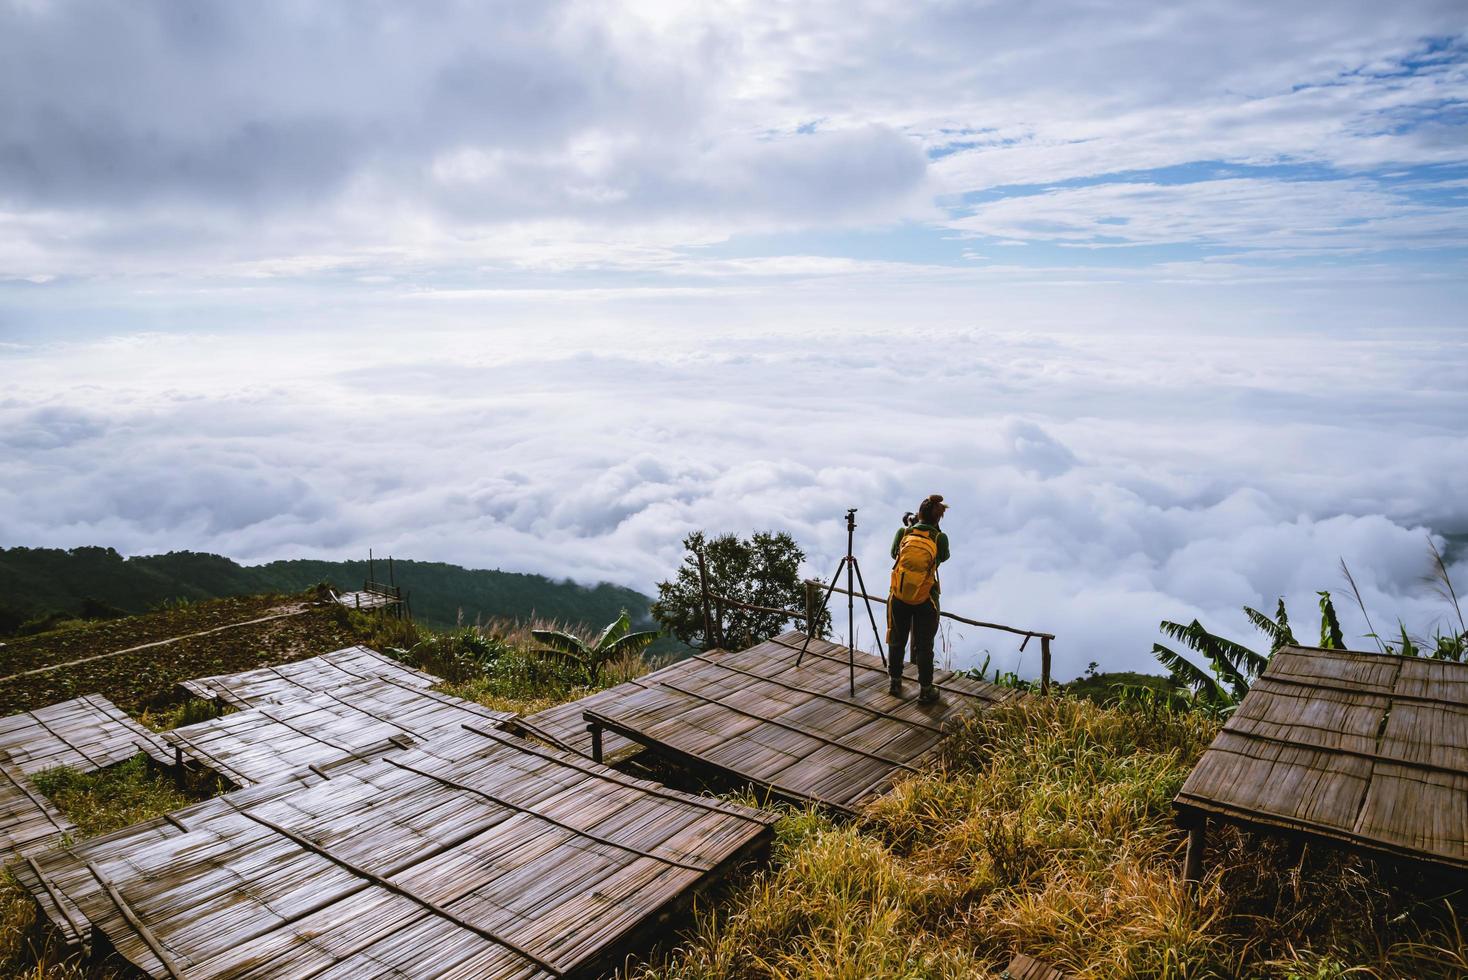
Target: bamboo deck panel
{"points": [[1024, 967], [794, 731], [564, 725], [86, 733], [1365, 748], [288, 682], [45, 875], [28, 821], [366, 600], [369, 717], [477, 855]]}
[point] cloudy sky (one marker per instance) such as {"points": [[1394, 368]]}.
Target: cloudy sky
{"points": [[1168, 301]]}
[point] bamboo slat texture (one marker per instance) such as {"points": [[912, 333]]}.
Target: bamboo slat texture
{"points": [[1024, 967], [564, 725], [795, 731], [372, 716], [1365, 748], [28, 821], [60, 909], [476, 855], [86, 733], [288, 682]]}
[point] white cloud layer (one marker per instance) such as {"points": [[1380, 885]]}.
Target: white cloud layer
{"points": [[1101, 481]]}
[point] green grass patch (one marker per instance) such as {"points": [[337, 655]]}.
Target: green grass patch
{"points": [[101, 802]]}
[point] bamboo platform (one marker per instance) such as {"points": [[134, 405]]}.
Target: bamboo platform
{"points": [[366, 600], [1362, 748], [44, 875], [794, 731], [1024, 967], [369, 717], [476, 855], [28, 821], [564, 725], [288, 682], [86, 733]]}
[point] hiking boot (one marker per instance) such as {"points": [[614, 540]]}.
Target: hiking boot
{"points": [[894, 688], [929, 695]]}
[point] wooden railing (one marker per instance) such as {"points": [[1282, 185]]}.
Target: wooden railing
{"points": [[713, 604], [382, 588]]}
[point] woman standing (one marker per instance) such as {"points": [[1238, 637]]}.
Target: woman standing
{"points": [[918, 548]]}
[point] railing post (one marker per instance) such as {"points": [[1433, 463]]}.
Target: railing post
{"points": [[810, 606], [1044, 665]]}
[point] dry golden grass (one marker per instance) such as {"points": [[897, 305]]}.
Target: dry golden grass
{"points": [[1047, 830]]}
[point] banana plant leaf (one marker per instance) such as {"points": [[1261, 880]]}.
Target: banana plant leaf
{"points": [[1331, 637], [562, 642], [1190, 675]]}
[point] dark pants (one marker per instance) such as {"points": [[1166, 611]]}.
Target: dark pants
{"points": [[921, 623]]}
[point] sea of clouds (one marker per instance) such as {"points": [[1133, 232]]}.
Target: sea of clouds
{"points": [[1100, 481]]}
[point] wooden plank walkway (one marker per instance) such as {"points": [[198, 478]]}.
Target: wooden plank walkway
{"points": [[86, 733], [288, 682], [794, 731], [1364, 748], [368, 717], [479, 854], [28, 821]]}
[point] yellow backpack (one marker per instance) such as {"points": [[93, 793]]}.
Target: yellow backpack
{"points": [[916, 569]]}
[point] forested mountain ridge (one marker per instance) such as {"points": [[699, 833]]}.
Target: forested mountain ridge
{"points": [[87, 581]]}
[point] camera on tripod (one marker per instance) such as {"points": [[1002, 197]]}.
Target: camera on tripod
{"points": [[853, 578]]}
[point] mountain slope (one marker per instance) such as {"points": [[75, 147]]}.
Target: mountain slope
{"points": [[36, 581]]}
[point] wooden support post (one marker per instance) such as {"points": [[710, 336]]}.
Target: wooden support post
{"points": [[1044, 665], [1197, 843], [595, 729], [703, 587], [811, 588]]}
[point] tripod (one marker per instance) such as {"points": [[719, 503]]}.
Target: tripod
{"points": [[848, 563]]}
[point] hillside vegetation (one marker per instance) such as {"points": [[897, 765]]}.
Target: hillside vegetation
{"points": [[1046, 828], [84, 658], [92, 581]]}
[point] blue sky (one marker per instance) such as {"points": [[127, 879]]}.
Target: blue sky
{"points": [[1170, 296]]}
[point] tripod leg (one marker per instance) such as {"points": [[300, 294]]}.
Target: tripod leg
{"points": [[850, 622], [834, 579], [881, 651]]}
